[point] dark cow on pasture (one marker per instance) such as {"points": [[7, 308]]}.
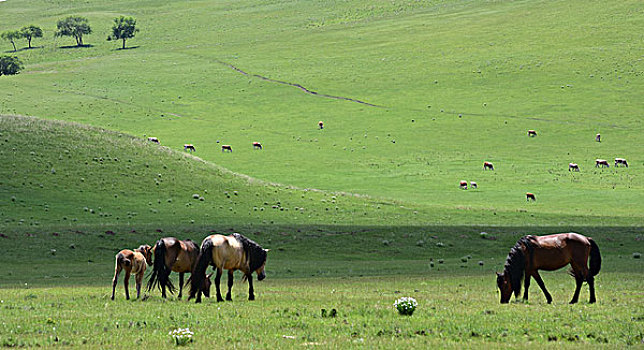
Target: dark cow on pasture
{"points": [[602, 163], [257, 145], [573, 167], [621, 161], [488, 165], [226, 148], [532, 133], [154, 139], [463, 185], [189, 147], [598, 138], [530, 196]]}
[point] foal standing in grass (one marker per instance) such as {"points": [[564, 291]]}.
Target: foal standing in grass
{"points": [[133, 262]]}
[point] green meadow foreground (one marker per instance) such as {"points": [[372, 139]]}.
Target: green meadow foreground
{"points": [[414, 95]]}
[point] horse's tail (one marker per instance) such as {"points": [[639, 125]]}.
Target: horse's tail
{"points": [[595, 258], [160, 276], [198, 274], [122, 260]]}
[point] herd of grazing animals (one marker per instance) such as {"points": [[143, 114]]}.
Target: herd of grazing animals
{"points": [[233, 252]]}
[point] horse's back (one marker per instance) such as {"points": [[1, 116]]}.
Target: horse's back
{"points": [[555, 251], [227, 251]]}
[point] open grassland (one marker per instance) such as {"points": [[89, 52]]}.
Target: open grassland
{"points": [[458, 82]]}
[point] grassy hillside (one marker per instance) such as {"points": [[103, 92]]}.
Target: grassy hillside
{"points": [[458, 82]]}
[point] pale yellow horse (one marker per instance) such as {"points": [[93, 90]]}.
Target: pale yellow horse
{"points": [[133, 262]]}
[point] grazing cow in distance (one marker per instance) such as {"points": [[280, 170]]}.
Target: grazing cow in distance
{"points": [[621, 161], [321, 124], [602, 162], [532, 133], [488, 165], [257, 145], [573, 167], [225, 148], [189, 147], [473, 185], [154, 139], [530, 196], [463, 185], [598, 138]]}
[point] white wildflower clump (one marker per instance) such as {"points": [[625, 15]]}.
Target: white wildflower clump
{"points": [[181, 336], [406, 305]]}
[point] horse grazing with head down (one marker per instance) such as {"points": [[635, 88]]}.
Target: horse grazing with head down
{"points": [[552, 252], [189, 147], [257, 145], [463, 185], [532, 133], [602, 163], [234, 252], [573, 167], [133, 262], [171, 254], [488, 165], [226, 148], [621, 161]]}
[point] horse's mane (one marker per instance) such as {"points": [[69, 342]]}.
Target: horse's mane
{"points": [[516, 262], [255, 254]]}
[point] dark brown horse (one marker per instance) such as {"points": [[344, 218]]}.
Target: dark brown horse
{"points": [[133, 262], [529, 196], [533, 253], [234, 252], [488, 165], [257, 145], [226, 148], [532, 133], [171, 254]]}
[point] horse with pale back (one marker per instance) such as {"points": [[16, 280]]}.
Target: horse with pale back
{"points": [[171, 254], [549, 253], [234, 252], [133, 262]]}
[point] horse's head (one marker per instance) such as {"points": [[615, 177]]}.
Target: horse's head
{"points": [[146, 250], [504, 284], [206, 286], [261, 274]]}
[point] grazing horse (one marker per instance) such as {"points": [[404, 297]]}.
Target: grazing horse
{"points": [[133, 262], [463, 185], [533, 253], [573, 167], [621, 161], [189, 147], [154, 139], [171, 254], [488, 165], [257, 145], [532, 133], [598, 138], [530, 196], [234, 252], [225, 148], [474, 185], [602, 162], [321, 124]]}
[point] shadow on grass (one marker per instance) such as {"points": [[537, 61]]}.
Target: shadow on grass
{"points": [[127, 48], [77, 46]]}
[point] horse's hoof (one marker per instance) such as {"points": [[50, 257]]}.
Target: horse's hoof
{"points": [[219, 300], [252, 297]]}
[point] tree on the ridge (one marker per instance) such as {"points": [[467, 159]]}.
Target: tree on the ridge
{"points": [[29, 32], [124, 28], [11, 36], [75, 26], [10, 65]]}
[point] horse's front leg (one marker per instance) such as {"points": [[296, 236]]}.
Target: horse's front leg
{"points": [[229, 296], [217, 280], [117, 270], [251, 291], [126, 284], [537, 278], [180, 284], [526, 284]]}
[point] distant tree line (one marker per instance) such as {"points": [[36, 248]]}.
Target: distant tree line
{"points": [[75, 26]]}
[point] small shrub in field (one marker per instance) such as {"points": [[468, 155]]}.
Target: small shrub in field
{"points": [[181, 336], [406, 305]]}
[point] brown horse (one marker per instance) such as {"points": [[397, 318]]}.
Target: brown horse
{"points": [[225, 148], [171, 254], [133, 262], [602, 163], [529, 196], [488, 165], [321, 124], [533, 253], [257, 145], [463, 185], [532, 133], [234, 252], [573, 167], [189, 147]]}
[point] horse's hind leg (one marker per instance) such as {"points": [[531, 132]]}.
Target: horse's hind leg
{"points": [[139, 281], [117, 270], [217, 280], [579, 280], [180, 284], [591, 287], [230, 285], [126, 284], [251, 291], [542, 285]]}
